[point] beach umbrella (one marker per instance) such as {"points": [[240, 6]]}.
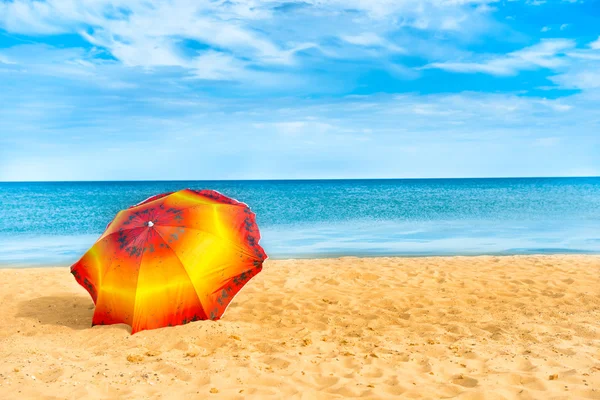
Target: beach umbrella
{"points": [[174, 258]]}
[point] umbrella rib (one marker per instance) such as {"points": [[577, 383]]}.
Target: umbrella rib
{"points": [[235, 276], [137, 279], [184, 269], [105, 272]]}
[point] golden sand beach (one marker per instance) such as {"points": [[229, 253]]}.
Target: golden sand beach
{"points": [[525, 327]]}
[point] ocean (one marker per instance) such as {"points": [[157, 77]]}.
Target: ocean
{"points": [[55, 223]]}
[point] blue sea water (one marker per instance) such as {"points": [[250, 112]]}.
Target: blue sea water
{"points": [[54, 223]]}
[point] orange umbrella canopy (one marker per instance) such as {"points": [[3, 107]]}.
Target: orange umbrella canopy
{"points": [[172, 259]]}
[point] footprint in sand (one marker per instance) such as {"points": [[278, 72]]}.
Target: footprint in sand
{"points": [[465, 381]]}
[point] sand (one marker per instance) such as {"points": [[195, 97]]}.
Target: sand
{"points": [[456, 327]]}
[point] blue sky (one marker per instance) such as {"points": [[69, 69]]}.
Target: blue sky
{"points": [[274, 89]]}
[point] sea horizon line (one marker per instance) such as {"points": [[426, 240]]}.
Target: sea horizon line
{"points": [[308, 179]]}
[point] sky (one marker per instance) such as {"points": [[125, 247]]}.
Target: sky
{"points": [[312, 89]]}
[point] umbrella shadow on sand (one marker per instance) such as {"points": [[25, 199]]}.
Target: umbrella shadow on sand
{"points": [[74, 312]]}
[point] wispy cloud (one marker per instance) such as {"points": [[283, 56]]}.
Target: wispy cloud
{"points": [[283, 89], [369, 39], [549, 53], [74, 64], [582, 72], [572, 67], [580, 78], [240, 36]]}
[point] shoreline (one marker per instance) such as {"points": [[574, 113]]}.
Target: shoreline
{"points": [[464, 326], [16, 265]]}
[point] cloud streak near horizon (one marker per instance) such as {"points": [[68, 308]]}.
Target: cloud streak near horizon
{"points": [[273, 89]]}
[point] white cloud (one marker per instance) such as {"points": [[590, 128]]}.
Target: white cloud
{"points": [[545, 29], [574, 67], [582, 71], [6, 60], [584, 79], [364, 39], [548, 53], [213, 65], [564, 26], [140, 33], [258, 43], [249, 33], [369, 39], [556, 105], [74, 64]]}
